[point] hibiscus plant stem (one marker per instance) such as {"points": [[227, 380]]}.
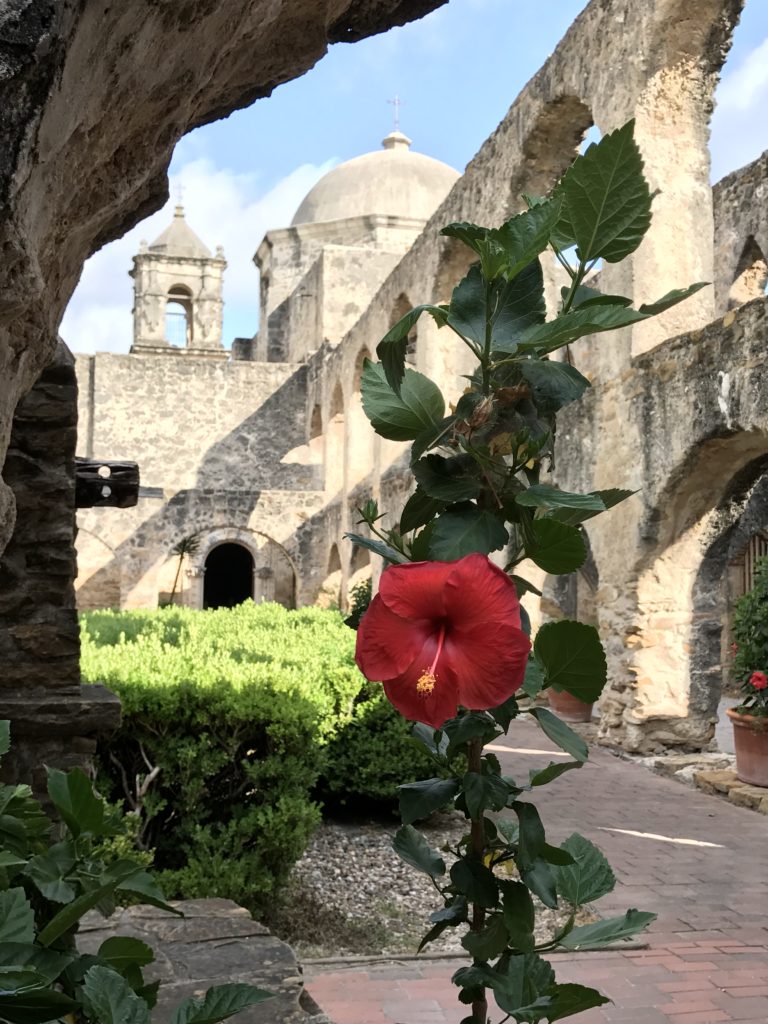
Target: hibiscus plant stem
{"points": [[477, 840]]}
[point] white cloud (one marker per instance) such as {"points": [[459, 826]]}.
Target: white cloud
{"points": [[223, 208], [739, 130]]}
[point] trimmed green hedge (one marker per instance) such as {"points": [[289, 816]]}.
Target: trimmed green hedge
{"points": [[249, 713]]}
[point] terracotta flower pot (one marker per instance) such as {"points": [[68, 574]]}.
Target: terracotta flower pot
{"points": [[750, 738], [568, 707]]}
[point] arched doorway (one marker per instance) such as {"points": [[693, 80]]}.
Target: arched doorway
{"points": [[228, 579]]}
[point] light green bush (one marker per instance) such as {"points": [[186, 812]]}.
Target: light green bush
{"points": [[249, 713]]}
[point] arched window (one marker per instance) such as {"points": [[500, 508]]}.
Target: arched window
{"points": [[403, 306], [178, 316], [228, 576], [751, 275]]}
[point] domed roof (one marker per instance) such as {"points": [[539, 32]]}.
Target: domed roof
{"points": [[391, 182], [179, 239]]}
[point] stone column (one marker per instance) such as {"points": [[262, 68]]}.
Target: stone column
{"points": [[54, 719]]}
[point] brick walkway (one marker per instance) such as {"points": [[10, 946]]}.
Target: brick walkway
{"points": [[699, 862]]}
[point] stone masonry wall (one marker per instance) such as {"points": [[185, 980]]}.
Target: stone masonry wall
{"points": [[53, 720]]}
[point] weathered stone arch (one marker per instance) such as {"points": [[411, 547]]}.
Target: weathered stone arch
{"points": [[98, 582], [275, 572], [334, 441], [751, 275]]}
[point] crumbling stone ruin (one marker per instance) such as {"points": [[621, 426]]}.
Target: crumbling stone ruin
{"points": [[675, 412]]}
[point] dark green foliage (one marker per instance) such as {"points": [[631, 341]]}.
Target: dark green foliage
{"points": [[750, 633], [50, 876]]}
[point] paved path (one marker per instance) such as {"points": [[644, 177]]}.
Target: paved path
{"points": [[699, 862]]}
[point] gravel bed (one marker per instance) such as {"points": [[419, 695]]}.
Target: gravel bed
{"points": [[351, 895]]}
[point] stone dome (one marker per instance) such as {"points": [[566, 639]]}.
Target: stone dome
{"points": [[391, 182]]}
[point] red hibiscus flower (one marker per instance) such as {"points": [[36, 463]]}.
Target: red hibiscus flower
{"points": [[759, 680], [443, 634]]}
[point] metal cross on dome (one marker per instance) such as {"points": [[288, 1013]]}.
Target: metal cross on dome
{"points": [[396, 103]]}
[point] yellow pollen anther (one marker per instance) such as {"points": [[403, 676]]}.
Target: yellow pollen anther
{"points": [[426, 683]]}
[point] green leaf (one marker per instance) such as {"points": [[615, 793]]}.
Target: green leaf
{"points": [[109, 998], [389, 554], [608, 199], [566, 1000], [531, 838], [450, 480], [419, 510], [490, 941], [612, 496], [573, 658], [69, 915], [554, 384], [420, 544], [553, 771], [419, 799], [477, 882], [468, 310], [143, 885], [558, 549], [600, 934], [431, 436], [121, 952], [469, 234], [589, 877], [220, 1002], [519, 915], [433, 739], [533, 683], [48, 870], [517, 306], [46, 962], [526, 235], [36, 1007], [17, 921], [506, 712], [578, 323], [469, 726], [404, 416], [392, 347], [5, 736], [548, 497], [540, 879], [560, 733], [592, 297], [73, 796], [16, 980], [463, 529], [520, 986], [449, 916], [412, 847], [484, 793], [9, 861], [672, 298]]}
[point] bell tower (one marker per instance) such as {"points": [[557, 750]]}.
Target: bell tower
{"points": [[177, 289]]}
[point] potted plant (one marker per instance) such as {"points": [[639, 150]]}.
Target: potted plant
{"points": [[568, 707], [750, 665]]}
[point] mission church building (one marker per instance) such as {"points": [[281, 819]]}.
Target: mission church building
{"points": [[249, 451]]}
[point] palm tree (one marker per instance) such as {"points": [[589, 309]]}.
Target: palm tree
{"points": [[187, 546]]}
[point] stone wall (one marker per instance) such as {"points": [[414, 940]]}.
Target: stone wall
{"points": [[94, 99], [53, 720]]}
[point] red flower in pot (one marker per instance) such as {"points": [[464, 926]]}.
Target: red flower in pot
{"points": [[440, 635]]}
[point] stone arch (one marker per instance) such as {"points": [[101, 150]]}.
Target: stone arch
{"points": [[403, 305], [274, 568], [359, 435], [674, 644], [751, 275], [179, 318], [334, 442], [99, 577], [740, 519], [672, 114], [330, 591]]}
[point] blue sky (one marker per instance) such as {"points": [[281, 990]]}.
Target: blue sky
{"points": [[249, 172]]}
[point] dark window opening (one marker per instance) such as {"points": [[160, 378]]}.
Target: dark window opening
{"points": [[228, 579]]}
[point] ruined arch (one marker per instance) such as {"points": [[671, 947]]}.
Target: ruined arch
{"points": [[179, 319], [334, 442], [751, 275], [99, 578], [359, 434], [274, 569]]}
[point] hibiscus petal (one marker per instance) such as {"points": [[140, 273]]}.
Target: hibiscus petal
{"points": [[387, 644], [433, 708], [486, 666], [476, 591], [415, 591]]}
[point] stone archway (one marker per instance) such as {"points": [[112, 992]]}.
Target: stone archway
{"points": [[229, 576], [273, 572]]}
